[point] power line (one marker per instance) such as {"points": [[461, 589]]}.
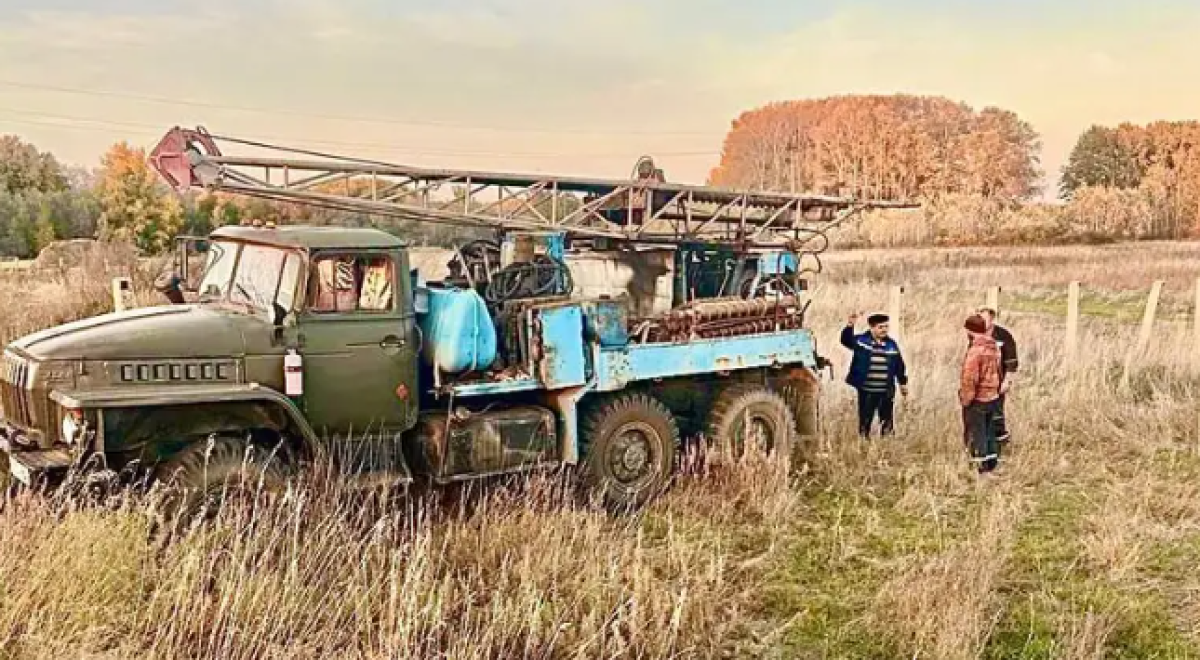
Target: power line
{"points": [[338, 117], [107, 125]]}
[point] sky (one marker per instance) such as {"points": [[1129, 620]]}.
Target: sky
{"points": [[567, 86]]}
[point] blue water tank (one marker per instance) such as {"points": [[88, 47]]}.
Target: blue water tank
{"points": [[458, 331]]}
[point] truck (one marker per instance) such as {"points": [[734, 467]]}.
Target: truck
{"points": [[287, 342]]}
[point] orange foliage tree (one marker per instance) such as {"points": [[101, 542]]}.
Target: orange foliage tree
{"points": [[900, 146], [1158, 164], [135, 205]]}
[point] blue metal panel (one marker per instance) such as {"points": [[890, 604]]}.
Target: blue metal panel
{"points": [[560, 340], [556, 245], [607, 320], [618, 367], [776, 263]]}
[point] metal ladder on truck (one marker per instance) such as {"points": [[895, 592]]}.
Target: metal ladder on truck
{"points": [[763, 237]]}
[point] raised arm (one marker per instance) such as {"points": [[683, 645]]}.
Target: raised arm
{"points": [[848, 332], [848, 337]]}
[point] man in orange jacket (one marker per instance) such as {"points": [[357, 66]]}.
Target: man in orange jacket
{"points": [[979, 395]]}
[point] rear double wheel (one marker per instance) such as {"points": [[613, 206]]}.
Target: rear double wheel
{"points": [[750, 419], [629, 443]]}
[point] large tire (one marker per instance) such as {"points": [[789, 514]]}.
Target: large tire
{"points": [[805, 403], [8, 486], [201, 478], [762, 412], [629, 445]]}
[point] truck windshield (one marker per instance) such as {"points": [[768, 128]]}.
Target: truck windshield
{"points": [[255, 275]]}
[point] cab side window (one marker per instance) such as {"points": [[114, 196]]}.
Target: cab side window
{"points": [[348, 283]]}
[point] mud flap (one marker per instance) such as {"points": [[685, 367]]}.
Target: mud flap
{"points": [[371, 463]]}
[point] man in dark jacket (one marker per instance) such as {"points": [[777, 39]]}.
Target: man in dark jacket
{"points": [[876, 367], [1008, 367], [979, 394]]}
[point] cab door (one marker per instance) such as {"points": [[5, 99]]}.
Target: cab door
{"points": [[358, 341]]}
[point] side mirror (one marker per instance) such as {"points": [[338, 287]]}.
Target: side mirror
{"points": [[168, 285], [278, 314], [189, 257]]}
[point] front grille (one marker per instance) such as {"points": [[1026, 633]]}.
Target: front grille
{"points": [[24, 406], [15, 392]]}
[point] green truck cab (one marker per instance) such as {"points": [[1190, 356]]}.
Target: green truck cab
{"points": [[139, 390]]}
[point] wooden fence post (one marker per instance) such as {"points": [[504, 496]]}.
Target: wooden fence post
{"points": [[1146, 331], [1072, 343], [1196, 316], [993, 299], [894, 311]]}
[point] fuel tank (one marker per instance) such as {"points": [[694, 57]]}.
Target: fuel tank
{"points": [[459, 334], [464, 444]]}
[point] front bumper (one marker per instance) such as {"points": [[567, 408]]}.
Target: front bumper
{"points": [[34, 466], [44, 465]]}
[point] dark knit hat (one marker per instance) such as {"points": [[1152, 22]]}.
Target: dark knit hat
{"points": [[975, 323], [876, 319]]}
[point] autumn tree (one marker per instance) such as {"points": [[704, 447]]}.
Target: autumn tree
{"points": [[1158, 164], [135, 206], [23, 168], [898, 146], [1003, 154], [38, 201], [1102, 157]]}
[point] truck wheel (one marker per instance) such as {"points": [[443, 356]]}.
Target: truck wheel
{"points": [[206, 475], [806, 408], [8, 485], [752, 417], [629, 449]]}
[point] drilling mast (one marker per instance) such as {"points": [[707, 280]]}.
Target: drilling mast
{"points": [[644, 209]]}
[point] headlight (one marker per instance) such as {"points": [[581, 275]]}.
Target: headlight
{"points": [[71, 427]]}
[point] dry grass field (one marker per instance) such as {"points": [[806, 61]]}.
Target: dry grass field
{"points": [[1084, 546]]}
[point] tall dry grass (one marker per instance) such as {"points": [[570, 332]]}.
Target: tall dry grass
{"points": [[520, 571], [1082, 547]]}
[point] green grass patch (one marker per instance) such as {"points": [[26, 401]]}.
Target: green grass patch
{"points": [[1118, 307], [1052, 595], [840, 553]]}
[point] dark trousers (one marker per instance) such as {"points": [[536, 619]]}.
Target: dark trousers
{"points": [[1000, 424], [979, 434], [871, 404]]}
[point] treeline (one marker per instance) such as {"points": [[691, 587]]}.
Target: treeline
{"points": [[124, 200], [977, 173], [40, 200], [1141, 181], [882, 147]]}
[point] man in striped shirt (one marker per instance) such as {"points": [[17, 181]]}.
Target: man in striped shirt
{"points": [[875, 369]]}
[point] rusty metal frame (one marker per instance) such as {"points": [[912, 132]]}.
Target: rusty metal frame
{"points": [[587, 207]]}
